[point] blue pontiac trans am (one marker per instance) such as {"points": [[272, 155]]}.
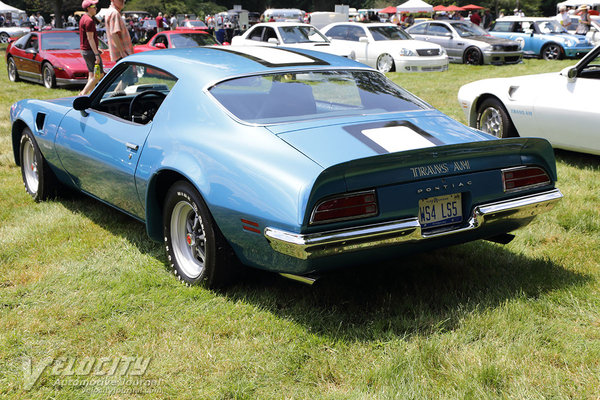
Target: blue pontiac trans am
{"points": [[288, 160]]}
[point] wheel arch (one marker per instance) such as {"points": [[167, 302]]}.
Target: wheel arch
{"points": [[17, 131], [155, 199], [562, 49], [475, 111]]}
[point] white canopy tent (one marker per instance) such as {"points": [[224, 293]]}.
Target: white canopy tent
{"points": [[576, 3], [5, 8], [14, 11], [415, 6]]}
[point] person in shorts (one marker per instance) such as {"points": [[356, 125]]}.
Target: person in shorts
{"points": [[90, 51]]}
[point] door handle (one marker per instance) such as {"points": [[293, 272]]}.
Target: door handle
{"points": [[132, 146]]}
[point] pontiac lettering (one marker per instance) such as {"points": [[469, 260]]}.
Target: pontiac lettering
{"points": [[443, 168], [442, 187]]}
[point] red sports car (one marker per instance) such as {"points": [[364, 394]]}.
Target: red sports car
{"points": [[50, 57], [179, 38]]}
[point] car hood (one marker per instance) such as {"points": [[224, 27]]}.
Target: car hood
{"points": [[491, 40], [411, 44], [72, 59], [336, 141], [324, 47]]}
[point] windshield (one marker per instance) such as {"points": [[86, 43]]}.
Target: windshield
{"points": [[551, 27], [183, 40], [388, 33], [195, 24], [301, 34], [64, 41], [466, 29], [295, 96]]}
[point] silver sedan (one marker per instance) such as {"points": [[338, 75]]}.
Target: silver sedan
{"points": [[467, 43]]}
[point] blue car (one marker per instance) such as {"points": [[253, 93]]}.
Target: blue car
{"points": [[287, 160], [541, 37]]}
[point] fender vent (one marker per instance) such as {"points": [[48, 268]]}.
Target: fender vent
{"points": [[39, 121]]}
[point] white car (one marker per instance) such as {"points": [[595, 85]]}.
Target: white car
{"points": [[7, 32], [561, 106], [387, 47], [289, 34]]}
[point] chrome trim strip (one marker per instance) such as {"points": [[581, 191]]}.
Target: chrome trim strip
{"points": [[314, 245]]}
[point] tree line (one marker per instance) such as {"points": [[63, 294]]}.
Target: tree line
{"points": [[202, 8]]}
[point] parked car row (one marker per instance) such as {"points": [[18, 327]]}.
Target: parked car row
{"points": [[294, 162]]}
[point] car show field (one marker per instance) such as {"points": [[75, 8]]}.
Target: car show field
{"points": [[478, 320]]}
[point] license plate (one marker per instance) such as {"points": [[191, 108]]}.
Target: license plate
{"points": [[440, 210]]}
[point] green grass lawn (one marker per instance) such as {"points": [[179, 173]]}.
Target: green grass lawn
{"points": [[476, 321]]}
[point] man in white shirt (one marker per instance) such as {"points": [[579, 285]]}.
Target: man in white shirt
{"points": [[565, 20]]}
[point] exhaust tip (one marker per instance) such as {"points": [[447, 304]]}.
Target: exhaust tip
{"points": [[306, 279]]}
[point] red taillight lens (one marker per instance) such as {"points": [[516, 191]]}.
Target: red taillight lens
{"points": [[524, 178], [343, 207]]}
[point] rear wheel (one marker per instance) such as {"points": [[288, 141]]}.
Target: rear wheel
{"points": [[385, 63], [13, 74], [197, 251], [493, 118], [38, 178], [552, 51], [48, 76], [473, 56], [4, 37]]}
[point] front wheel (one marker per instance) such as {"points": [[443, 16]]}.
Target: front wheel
{"points": [[13, 74], [38, 178], [196, 249], [48, 76], [385, 63], [552, 51], [4, 38], [493, 118], [473, 56]]}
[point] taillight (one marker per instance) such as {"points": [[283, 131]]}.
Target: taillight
{"points": [[521, 178], [344, 207]]}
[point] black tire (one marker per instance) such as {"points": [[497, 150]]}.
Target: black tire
{"points": [[48, 76], [196, 249], [493, 118], [38, 178], [552, 51], [473, 56], [4, 37], [385, 63], [13, 74]]}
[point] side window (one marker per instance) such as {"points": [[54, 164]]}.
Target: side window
{"points": [[355, 33], [418, 30], [438, 30], [527, 27], [269, 34], [20, 44], [501, 26], [134, 93], [33, 42], [256, 34], [337, 32], [162, 39]]}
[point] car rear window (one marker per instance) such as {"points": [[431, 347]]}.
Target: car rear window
{"points": [[295, 96], [184, 40]]}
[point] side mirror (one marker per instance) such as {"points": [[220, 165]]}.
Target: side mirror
{"points": [[448, 35], [31, 50], [82, 103], [273, 41], [570, 73], [160, 46], [363, 39]]}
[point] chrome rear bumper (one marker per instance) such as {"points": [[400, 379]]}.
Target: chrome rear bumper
{"points": [[313, 245]]}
